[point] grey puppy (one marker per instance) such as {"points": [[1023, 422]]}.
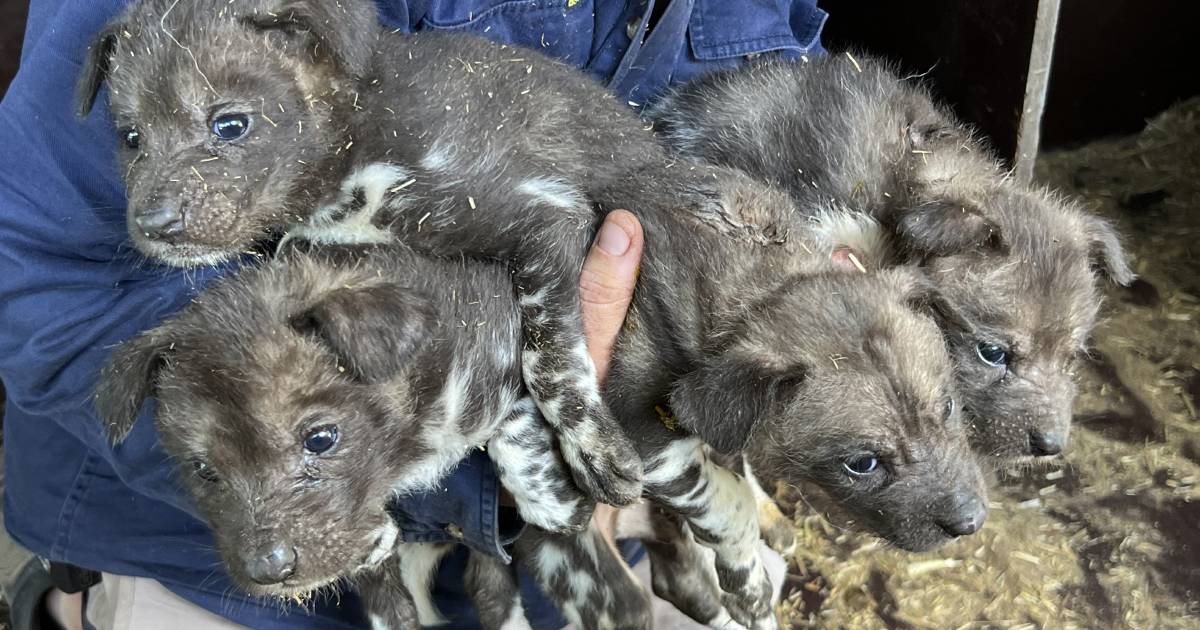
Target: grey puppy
{"points": [[762, 345], [300, 397], [240, 119], [1015, 265]]}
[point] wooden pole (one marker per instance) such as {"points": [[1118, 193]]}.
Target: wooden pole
{"points": [[1041, 55]]}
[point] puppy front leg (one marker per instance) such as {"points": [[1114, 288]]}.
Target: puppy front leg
{"points": [[778, 531], [562, 379], [492, 587], [719, 508], [532, 470]]}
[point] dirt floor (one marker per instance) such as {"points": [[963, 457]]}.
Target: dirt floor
{"points": [[1108, 536]]}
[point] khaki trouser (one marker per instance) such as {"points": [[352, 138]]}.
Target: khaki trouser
{"points": [[121, 602]]}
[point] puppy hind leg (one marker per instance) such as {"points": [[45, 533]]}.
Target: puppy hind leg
{"points": [[492, 587], [418, 561], [532, 470], [587, 579], [387, 602], [680, 573], [720, 509]]}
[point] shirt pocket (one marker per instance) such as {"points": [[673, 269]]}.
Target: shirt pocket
{"points": [[562, 29], [720, 29]]}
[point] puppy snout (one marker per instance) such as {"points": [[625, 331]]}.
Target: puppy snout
{"points": [[162, 221], [1044, 443], [271, 565], [966, 517]]}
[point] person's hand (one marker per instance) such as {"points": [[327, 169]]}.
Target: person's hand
{"points": [[605, 290], [606, 285]]}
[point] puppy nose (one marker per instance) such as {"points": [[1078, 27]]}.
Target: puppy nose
{"points": [[163, 221], [966, 518], [1046, 443], [272, 566]]}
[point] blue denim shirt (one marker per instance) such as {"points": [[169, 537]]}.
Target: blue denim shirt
{"points": [[71, 288]]}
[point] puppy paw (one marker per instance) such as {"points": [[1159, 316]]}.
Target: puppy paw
{"points": [[690, 591], [749, 602], [747, 618], [777, 530], [605, 467]]}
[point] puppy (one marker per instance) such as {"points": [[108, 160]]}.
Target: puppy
{"points": [[300, 397], [760, 342], [1016, 266], [239, 120]]}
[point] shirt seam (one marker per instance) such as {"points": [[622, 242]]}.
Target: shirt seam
{"points": [[66, 514], [500, 9]]}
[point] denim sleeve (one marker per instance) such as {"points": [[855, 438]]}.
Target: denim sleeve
{"points": [[70, 285]]}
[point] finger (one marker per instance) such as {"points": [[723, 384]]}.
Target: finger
{"points": [[605, 519], [607, 281]]}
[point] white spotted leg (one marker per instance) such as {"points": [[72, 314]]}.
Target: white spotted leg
{"points": [[562, 379], [531, 469], [721, 512]]}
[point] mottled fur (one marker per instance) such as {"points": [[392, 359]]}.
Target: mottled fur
{"points": [[411, 360], [586, 578], [492, 587], [681, 571], [1015, 266], [457, 145]]}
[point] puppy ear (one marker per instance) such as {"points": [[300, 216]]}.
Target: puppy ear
{"points": [[944, 228], [927, 130], [374, 331], [726, 398], [95, 70], [339, 32], [1106, 252], [126, 380], [928, 127], [922, 295]]}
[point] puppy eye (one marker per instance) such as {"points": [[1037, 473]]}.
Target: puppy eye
{"points": [[860, 465], [992, 354], [230, 126], [949, 409], [131, 137], [321, 439], [204, 471]]}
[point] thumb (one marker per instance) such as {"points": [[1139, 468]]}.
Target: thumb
{"points": [[607, 281]]}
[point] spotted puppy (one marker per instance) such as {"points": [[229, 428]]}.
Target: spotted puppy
{"points": [[240, 119], [1016, 265], [299, 398], [764, 346]]}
